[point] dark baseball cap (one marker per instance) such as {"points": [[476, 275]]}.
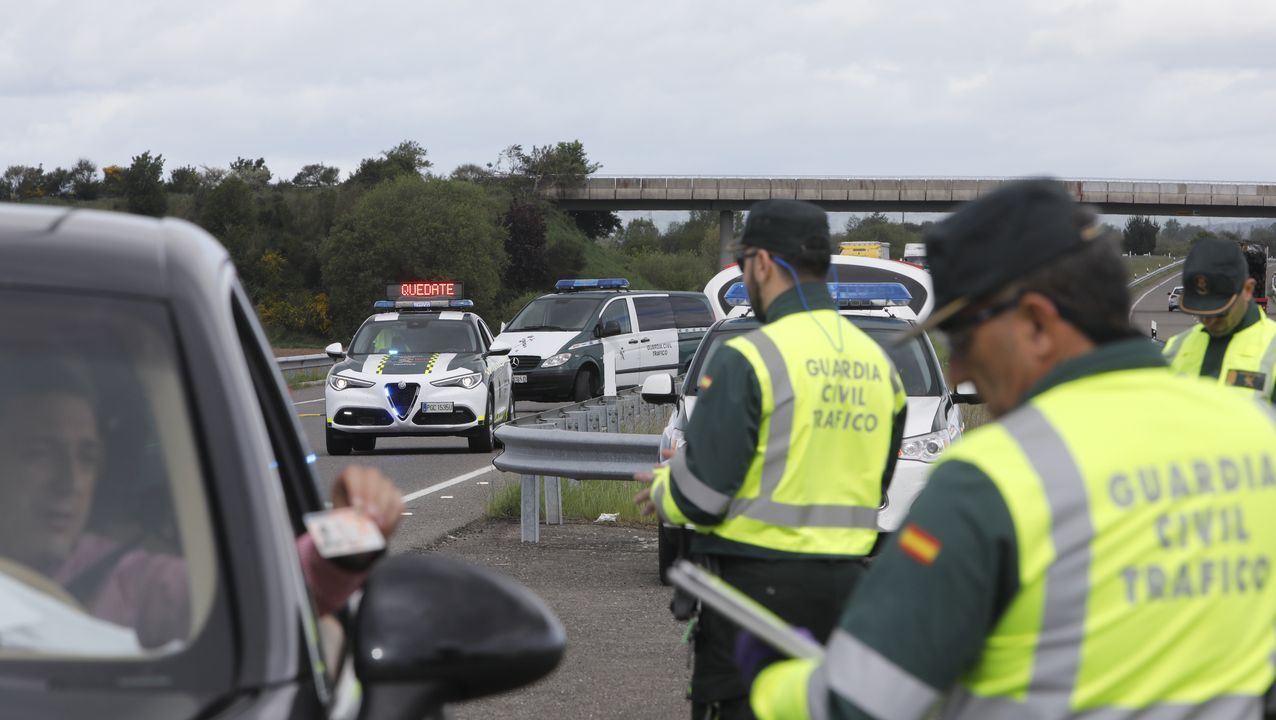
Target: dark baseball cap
{"points": [[1213, 276], [997, 239], [786, 227]]}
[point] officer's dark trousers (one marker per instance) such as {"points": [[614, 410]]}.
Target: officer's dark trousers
{"points": [[806, 593]]}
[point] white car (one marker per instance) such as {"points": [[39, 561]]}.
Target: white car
{"points": [[421, 368]]}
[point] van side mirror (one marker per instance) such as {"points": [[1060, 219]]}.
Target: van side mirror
{"points": [[967, 394], [335, 352], [658, 390], [433, 630], [611, 328]]}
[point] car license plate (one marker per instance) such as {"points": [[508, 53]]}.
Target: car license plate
{"points": [[520, 379], [437, 407]]}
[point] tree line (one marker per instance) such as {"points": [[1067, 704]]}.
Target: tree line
{"points": [[315, 250]]}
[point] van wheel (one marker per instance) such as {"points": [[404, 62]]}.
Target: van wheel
{"points": [[337, 442], [583, 389], [484, 437]]}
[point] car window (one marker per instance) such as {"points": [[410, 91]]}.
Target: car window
{"points": [[558, 312], [914, 359], [416, 336], [708, 347], [487, 334], [106, 546], [654, 313], [617, 310], [691, 312]]}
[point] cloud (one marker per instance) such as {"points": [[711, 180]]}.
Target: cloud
{"points": [[981, 88]]}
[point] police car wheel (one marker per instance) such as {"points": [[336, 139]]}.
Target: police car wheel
{"points": [[484, 437], [337, 443]]}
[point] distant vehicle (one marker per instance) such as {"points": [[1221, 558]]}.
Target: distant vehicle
{"points": [[866, 249], [915, 253], [560, 340], [1175, 296], [880, 310], [1256, 259]]}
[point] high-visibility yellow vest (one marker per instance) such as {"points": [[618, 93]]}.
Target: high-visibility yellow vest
{"points": [[814, 484], [1142, 509], [1249, 364]]}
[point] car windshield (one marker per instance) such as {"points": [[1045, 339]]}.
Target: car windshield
{"points": [[416, 336], [558, 312], [1177, 291], [105, 541], [914, 359]]}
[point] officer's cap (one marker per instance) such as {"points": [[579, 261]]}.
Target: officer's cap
{"points": [[1213, 276], [789, 228], [996, 240]]}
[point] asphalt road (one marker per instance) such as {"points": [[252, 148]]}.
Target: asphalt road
{"points": [[445, 486], [1150, 304]]}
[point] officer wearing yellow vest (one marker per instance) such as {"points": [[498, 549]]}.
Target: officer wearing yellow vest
{"points": [[1235, 342], [790, 450], [1102, 550]]}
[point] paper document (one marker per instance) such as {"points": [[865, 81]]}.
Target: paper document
{"points": [[743, 610]]}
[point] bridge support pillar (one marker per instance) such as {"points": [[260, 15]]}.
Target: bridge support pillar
{"points": [[726, 231]]}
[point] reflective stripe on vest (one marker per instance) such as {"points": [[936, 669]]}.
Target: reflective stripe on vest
{"points": [[764, 507], [693, 488], [861, 675], [1227, 707]]}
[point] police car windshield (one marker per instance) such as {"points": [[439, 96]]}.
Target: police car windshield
{"points": [[915, 361], [565, 313], [416, 336]]}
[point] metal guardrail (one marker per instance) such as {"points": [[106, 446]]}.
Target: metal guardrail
{"points": [[303, 362], [1153, 273], [578, 442]]}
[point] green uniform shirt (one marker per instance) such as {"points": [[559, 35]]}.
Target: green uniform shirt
{"points": [[931, 620], [1217, 348], [723, 433]]}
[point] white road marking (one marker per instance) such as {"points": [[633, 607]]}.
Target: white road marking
{"points": [[307, 402], [405, 513], [445, 497], [1172, 278], [447, 483]]}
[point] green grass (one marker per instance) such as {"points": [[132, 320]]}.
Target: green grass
{"points": [[582, 502], [297, 378]]}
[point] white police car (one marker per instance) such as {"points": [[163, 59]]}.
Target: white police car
{"points": [[560, 342], [883, 311], [422, 367]]}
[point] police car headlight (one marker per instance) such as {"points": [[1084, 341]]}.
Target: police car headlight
{"points": [[462, 381], [341, 382], [926, 448], [556, 360]]}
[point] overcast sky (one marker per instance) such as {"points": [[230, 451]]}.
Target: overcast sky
{"points": [[1164, 89]]}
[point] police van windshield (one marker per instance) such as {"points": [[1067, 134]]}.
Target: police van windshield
{"points": [[416, 336], [559, 312]]}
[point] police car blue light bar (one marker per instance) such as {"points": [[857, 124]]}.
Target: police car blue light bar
{"points": [[421, 304], [591, 284], [383, 305], [869, 295], [736, 295]]}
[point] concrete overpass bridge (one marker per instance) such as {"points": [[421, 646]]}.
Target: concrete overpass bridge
{"points": [[885, 194]]}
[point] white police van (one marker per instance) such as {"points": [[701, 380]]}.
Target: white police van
{"points": [[884, 311], [426, 365], [560, 342]]}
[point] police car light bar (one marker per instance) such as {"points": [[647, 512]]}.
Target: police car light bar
{"points": [[869, 295], [847, 295], [591, 284], [421, 304]]}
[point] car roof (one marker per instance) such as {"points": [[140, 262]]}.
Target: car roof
{"points": [[95, 251], [614, 293]]}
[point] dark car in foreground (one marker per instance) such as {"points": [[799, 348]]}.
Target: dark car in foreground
{"points": [[144, 417]]}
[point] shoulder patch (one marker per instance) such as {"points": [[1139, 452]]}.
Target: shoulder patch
{"points": [[705, 381], [919, 544]]}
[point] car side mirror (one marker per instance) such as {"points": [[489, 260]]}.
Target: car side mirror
{"points": [[498, 348], [966, 394], [502, 327], [335, 352], [611, 328], [658, 390], [433, 630]]}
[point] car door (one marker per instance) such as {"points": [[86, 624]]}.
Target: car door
{"points": [[657, 334], [625, 348], [498, 371]]}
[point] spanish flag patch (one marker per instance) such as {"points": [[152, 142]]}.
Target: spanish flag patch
{"points": [[919, 544], [705, 382]]}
